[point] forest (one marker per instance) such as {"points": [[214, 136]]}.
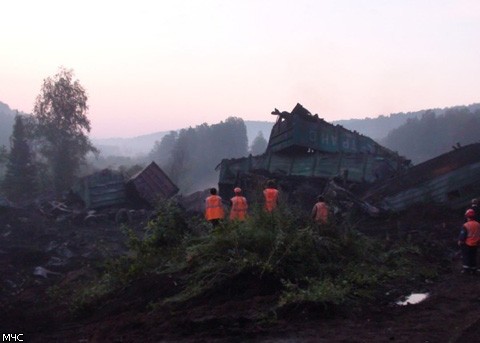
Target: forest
{"points": [[421, 139]]}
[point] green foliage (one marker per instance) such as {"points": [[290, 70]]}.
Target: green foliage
{"points": [[359, 277], [60, 110], [20, 179], [161, 245], [86, 299], [324, 290], [326, 265], [433, 134]]}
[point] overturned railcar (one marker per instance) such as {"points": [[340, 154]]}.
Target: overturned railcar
{"points": [[149, 186], [304, 152], [451, 180]]}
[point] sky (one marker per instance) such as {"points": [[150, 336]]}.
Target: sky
{"points": [[150, 66]]}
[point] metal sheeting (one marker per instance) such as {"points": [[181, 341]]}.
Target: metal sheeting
{"points": [[451, 179], [454, 189], [355, 167], [301, 129], [101, 189], [152, 184]]}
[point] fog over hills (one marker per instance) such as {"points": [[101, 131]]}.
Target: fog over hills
{"points": [[376, 128], [141, 145], [379, 127]]}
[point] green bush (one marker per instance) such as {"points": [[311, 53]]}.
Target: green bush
{"points": [[329, 264]]}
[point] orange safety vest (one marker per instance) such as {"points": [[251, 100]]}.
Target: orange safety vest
{"points": [[320, 212], [271, 198], [214, 208], [239, 208], [473, 233]]}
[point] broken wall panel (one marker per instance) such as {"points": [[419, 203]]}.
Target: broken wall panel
{"points": [[102, 189]]}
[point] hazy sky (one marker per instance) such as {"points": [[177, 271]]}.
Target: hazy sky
{"points": [[159, 65]]}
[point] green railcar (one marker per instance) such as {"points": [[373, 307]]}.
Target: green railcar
{"points": [[305, 148], [451, 179]]}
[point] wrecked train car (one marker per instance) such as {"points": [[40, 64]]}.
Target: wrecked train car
{"points": [[149, 186], [108, 188], [306, 151], [101, 189], [451, 180]]}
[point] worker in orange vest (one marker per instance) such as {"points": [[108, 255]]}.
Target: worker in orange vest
{"points": [[468, 240], [214, 208], [239, 205], [474, 206], [271, 196], [320, 211]]}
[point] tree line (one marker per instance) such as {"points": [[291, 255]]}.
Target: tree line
{"points": [[191, 155], [421, 139]]}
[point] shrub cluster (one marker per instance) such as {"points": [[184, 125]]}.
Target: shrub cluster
{"points": [[328, 264]]}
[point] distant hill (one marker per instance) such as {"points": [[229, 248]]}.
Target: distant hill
{"points": [[378, 128], [134, 146]]}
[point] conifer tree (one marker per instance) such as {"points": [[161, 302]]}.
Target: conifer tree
{"points": [[3, 161], [259, 144], [19, 183]]}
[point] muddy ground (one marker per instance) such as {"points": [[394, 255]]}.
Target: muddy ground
{"points": [[40, 258]]}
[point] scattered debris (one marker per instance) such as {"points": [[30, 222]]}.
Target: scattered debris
{"points": [[346, 200], [413, 299], [41, 271]]}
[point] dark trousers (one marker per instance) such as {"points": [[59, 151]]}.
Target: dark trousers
{"points": [[215, 222], [469, 257]]}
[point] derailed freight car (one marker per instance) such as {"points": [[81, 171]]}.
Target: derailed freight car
{"points": [[304, 152], [108, 188], [451, 180]]}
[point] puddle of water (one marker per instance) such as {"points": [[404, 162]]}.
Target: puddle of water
{"points": [[413, 299]]}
